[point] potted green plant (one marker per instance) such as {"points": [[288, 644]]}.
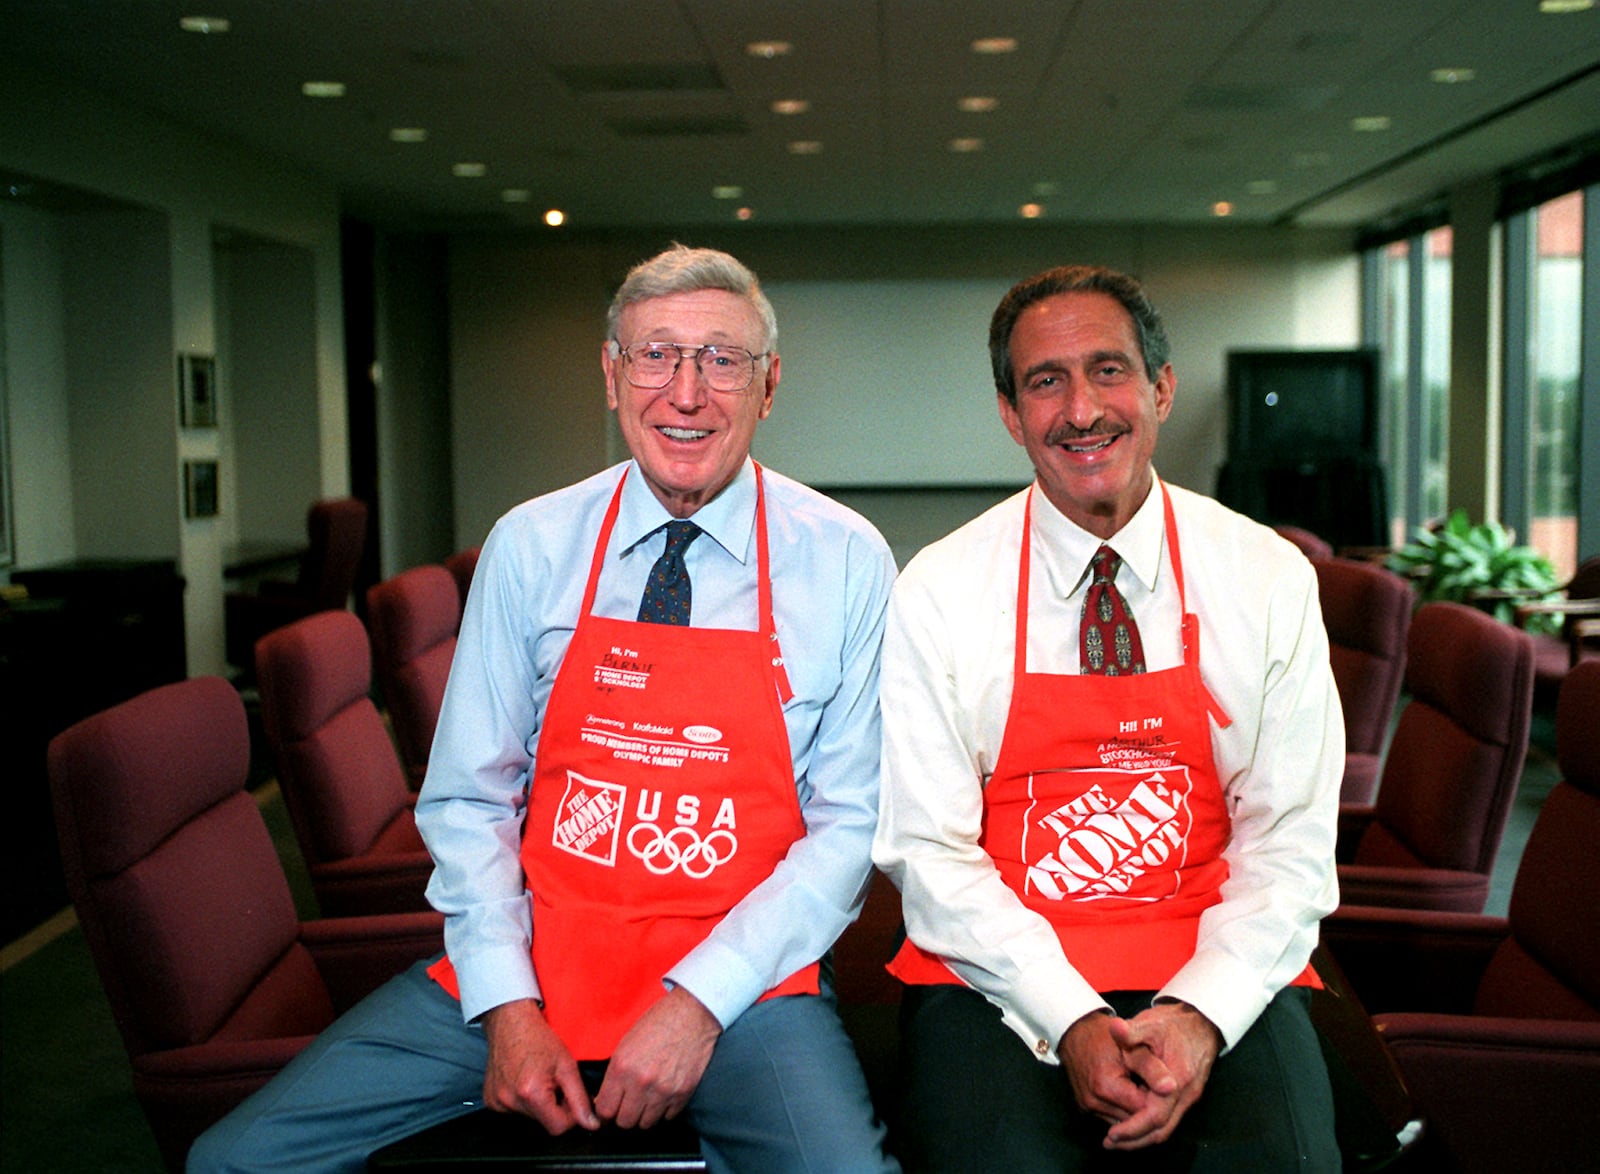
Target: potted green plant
{"points": [[1477, 564]]}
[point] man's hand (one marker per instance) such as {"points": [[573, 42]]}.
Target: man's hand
{"points": [[530, 1070], [1170, 1048], [659, 1062], [1103, 1081]]}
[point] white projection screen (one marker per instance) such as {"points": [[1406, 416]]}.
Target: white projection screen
{"points": [[887, 384]]}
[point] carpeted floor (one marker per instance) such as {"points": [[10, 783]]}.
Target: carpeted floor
{"points": [[66, 1101]]}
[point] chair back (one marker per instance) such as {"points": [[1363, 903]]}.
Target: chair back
{"points": [[413, 618], [1549, 965], [182, 900], [336, 533], [1311, 545], [341, 778], [463, 564], [1456, 755], [1367, 611]]}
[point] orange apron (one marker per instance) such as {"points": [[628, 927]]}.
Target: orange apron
{"points": [[1105, 813], [663, 793]]}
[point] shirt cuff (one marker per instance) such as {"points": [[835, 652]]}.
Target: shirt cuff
{"points": [[1225, 992], [721, 979], [499, 974]]}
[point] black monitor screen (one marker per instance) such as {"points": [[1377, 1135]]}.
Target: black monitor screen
{"points": [[1302, 403]]}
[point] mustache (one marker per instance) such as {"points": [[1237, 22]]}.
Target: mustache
{"points": [[1067, 433]]}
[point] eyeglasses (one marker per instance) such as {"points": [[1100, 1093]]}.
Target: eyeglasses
{"points": [[650, 366]]}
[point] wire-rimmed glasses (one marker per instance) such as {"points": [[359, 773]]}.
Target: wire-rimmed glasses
{"points": [[650, 366]]}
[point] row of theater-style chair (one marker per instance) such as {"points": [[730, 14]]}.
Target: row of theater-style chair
{"points": [[1462, 733], [214, 984]]}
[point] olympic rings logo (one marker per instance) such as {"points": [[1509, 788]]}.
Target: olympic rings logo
{"points": [[682, 847]]}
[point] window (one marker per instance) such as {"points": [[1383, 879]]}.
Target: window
{"points": [[1555, 328]]}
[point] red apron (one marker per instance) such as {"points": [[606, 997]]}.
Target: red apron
{"points": [[663, 792], [1105, 814]]}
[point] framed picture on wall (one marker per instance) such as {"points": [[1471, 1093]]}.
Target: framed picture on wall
{"points": [[199, 489], [197, 390]]}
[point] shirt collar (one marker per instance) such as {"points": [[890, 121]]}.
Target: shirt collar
{"points": [[1066, 548], [729, 518]]}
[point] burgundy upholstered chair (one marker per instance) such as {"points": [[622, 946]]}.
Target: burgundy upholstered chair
{"points": [[336, 535], [1495, 1022], [1579, 611], [341, 777], [1367, 611], [413, 618], [463, 564], [1451, 772], [213, 982], [1311, 545]]}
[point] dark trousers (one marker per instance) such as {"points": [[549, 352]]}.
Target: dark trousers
{"points": [[976, 1100]]}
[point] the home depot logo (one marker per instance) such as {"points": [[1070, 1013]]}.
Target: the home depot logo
{"points": [[589, 818], [1098, 845]]}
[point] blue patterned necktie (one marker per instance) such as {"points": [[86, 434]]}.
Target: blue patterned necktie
{"points": [[666, 592], [1108, 638]]}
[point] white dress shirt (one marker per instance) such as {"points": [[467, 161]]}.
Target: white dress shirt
{"points": [[946, 690]]}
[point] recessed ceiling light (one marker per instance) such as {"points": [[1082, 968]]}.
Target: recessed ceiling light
{"points": [[965, 146], [408, 134], [727, 191], [806, 147], [516, 195], [1046, 187], [991, 45], [1453, 75], [1371, 122], [1557, 7], [1262, 187], [769, 49], [1222, 208], [745, 213], [1031, 211], [790, 106], [323, 89], [204, 24], [469, 170], [555, 218], [977, 105]]}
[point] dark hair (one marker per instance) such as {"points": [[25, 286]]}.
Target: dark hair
{"points": [[1147, 327]]}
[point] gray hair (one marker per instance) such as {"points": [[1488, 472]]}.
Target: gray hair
{"points": [[681, 269], [1147, 327]]}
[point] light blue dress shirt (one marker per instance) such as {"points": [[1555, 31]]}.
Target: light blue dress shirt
{"points": [[831, 575]]}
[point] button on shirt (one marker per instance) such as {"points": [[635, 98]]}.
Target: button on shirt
{"points": [[831, 574], [947, 664]]}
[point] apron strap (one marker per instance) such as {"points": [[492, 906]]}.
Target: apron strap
{"points": [[769, 626], [766, 624]]}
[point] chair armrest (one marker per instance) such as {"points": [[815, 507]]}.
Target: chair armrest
{"points": [[356, 955], [1502, 1094], [372, 884], [1412, 959], [1440, 889]]}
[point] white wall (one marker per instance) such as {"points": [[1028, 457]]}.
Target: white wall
{"points": [[63, 405], [883, 335]]}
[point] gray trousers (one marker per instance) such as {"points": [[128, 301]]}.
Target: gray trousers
{"points": [[783, 1090], [976, 1100]]}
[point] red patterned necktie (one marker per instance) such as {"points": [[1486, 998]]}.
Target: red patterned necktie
{"points": [[1108, 639], [666, 592]]}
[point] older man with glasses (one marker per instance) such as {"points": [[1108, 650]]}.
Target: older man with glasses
{"points": [[651, 797]]}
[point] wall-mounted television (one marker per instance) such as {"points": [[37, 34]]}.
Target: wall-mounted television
{"points": [[1295, 404]]}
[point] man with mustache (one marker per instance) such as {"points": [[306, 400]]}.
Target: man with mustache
{"points": [[1112, 753]]}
